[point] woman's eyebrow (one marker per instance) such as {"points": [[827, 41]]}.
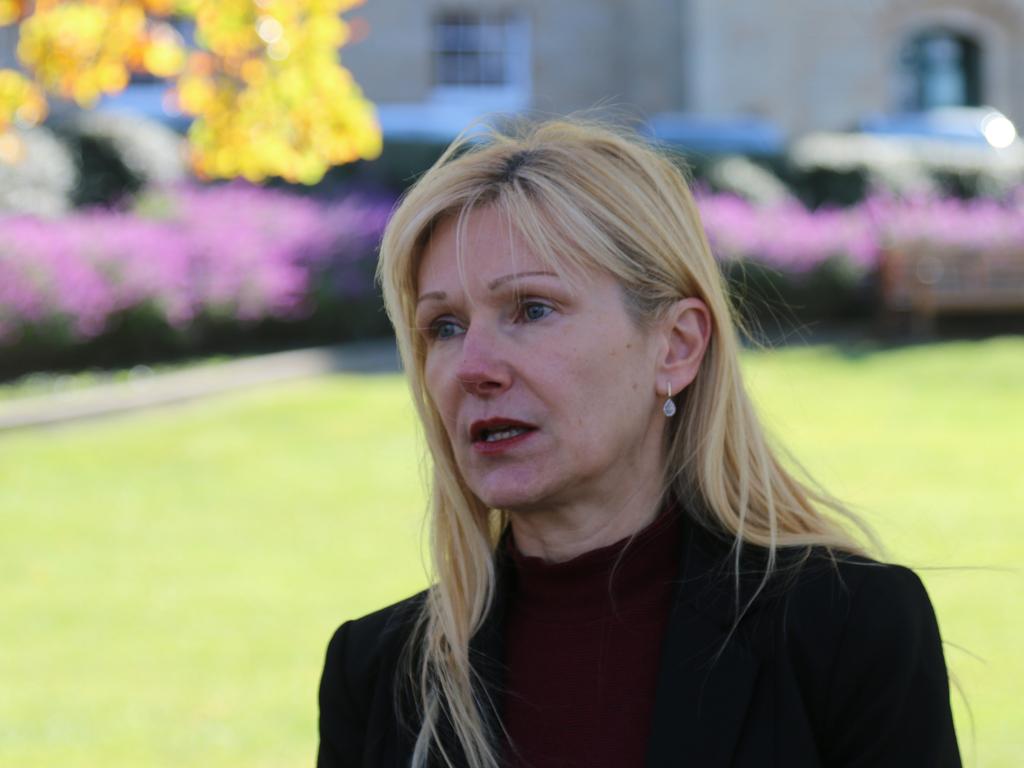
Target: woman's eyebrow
{"points": [[432, 295], [517, 275], [495, 283]]}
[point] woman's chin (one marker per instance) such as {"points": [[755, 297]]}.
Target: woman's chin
{"points": [[510, 501], [511, 484], [511, 495]]}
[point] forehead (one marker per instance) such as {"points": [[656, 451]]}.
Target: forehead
{"points": [[485, 248]]}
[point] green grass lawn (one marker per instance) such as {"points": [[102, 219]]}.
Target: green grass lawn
{"points": [[169, 580]]}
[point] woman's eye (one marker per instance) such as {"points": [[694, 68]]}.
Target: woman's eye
{"points": [[444, 329], [534, 310]]}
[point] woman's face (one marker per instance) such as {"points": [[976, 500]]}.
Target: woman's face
{"points": [[548, 393]]}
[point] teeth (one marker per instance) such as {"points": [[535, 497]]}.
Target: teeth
{"points": [[504, 434]]}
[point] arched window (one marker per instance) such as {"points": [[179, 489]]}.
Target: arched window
{"points": [[941, 68]]}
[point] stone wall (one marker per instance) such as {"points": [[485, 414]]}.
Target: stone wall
{"points": [[806, 64], [822, 64]]}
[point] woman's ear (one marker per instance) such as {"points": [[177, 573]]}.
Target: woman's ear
{"points": [[686, 329]]}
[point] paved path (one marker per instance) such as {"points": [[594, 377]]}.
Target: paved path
{"points": [[192, 383]]}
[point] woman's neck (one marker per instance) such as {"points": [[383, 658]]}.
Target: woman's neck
{"points": [[560, 533]]}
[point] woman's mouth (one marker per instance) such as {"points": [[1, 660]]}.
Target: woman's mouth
{"points": [[502, 434], [494, 435]]}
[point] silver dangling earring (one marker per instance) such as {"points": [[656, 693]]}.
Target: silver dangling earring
{"points": [[669, 408]]}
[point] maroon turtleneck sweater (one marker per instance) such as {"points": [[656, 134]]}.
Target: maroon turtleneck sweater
{"points": [[583, 644]]}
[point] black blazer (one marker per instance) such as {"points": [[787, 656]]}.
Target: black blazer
{"points": [[836, 664]]}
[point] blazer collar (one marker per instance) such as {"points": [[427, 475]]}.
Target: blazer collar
{"points": [[707, 670]]}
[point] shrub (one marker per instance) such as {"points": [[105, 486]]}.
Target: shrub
{"points": [[972, 225], [846, 168], [208, 264], [787, 260], [824, 264], [232, 267]]}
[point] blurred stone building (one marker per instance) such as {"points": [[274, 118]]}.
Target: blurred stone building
{"points": [[795, 65], [798, 64]]}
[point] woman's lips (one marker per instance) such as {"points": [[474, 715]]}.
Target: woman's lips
{"points": [[498, 434], [501, 444]]}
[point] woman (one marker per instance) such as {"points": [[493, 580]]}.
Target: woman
{"points": [[625, 573]]}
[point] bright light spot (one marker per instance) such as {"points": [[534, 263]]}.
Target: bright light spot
{"points": [[998, 131], [269, 30]]}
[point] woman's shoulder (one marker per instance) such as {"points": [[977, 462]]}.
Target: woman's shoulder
{"points": [[829, 598], [357, 688], [825, 607], [363, 651], [820, 584], [391, 619], [849, 585], [380, 633], [862, 642]]}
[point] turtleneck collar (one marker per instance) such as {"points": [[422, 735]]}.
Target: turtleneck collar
{"points": [[617, 578]]}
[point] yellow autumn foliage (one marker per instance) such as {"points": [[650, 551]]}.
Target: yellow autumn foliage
{"points": [[263, 79], [11, 11], [21, 101]]}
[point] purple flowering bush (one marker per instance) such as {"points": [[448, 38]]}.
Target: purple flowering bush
{"points": [[796, 241], [787, 237], [234, 256], [824, 264], [976, 224], [195, 266]]}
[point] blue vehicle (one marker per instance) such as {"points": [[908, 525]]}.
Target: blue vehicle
{"points": [[727, 135]]}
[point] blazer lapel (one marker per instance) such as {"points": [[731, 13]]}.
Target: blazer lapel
{"points": [[706, 677]]}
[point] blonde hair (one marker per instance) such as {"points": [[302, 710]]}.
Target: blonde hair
{"points": [[583, 196]]}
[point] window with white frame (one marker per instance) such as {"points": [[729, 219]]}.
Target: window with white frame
{"points": [[477, 53]]}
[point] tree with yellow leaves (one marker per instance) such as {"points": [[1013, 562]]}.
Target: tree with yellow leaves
{"points": [[263, 80]]}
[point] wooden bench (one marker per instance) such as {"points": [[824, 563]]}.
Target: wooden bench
{"points": [[925, 281]]}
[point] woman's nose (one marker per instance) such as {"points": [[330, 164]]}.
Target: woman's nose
{"points": [[483, 369]]}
